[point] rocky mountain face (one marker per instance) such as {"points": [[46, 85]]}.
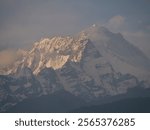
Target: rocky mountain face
{"points": [[93, 64]]}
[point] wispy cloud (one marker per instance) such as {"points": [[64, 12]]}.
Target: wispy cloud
{"points": [[115, 23], [7, 57]]}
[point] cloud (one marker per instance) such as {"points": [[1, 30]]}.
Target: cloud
{"points": [[7, 57], [115, 23]]}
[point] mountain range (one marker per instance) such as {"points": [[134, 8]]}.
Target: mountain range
{"points": [[86, 67]]}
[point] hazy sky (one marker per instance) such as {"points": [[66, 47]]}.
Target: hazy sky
{"points": [[24, 21]]}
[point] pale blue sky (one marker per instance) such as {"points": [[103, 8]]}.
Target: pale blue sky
{"points": [[24, 21]]}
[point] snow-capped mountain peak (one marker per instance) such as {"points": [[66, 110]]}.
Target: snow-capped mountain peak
{"points": [[95, 63]]}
